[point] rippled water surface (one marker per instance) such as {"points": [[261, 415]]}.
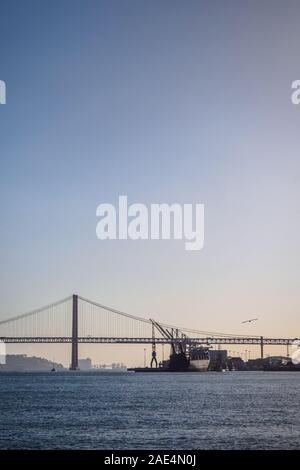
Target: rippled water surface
{"points": [[234, 410]]}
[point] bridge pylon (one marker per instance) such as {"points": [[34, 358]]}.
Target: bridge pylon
{"points": [[261, 347], [74, 359]]}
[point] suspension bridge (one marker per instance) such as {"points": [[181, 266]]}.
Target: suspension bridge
{"points": [[76, 320]]}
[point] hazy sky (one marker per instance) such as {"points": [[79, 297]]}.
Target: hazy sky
{"points": [[165, 101]]}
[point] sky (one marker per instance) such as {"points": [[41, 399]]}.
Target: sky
{"points": [[162, 101]]}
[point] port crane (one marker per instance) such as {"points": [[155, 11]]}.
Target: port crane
{"points": [[179, 357]]}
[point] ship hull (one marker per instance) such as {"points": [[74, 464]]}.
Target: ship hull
{"points": [[199, 365]]}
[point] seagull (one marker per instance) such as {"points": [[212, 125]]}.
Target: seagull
{"points": [[249, 321]]}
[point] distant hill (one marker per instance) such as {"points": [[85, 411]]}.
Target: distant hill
{"points": [[21, 362]]}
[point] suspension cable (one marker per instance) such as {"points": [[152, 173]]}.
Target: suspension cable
{"points": [[145, 320], [113, 310], [33, 312]]}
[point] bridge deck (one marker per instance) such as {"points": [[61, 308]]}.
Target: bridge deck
{"points": [[120, 340]]}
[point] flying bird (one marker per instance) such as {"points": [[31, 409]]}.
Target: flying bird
{"points": [[249, 321]]}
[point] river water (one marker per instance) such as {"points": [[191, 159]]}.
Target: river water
{"points": [[76, 410]]}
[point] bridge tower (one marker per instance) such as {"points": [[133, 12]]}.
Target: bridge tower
{"points": [[261, 347], [74, 361]]}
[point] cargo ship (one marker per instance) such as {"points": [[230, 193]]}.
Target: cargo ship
{"points": [[199, 359], [192, 359], [184, 355]]}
